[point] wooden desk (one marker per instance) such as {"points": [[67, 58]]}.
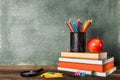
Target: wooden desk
{"points": [[13, 73]]}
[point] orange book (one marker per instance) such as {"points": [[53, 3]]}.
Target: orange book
{"points": [[89, 67]]}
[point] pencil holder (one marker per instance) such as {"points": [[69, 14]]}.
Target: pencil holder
{"points": [[77, 41]]}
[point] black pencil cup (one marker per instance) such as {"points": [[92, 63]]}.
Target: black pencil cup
{"points": [[78, 41]]}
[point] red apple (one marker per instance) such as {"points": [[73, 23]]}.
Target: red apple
{"points": [[95, 45]]}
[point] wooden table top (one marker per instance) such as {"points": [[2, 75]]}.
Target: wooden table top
{"points": [[14, 74]]}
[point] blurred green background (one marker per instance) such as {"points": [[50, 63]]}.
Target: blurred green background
{"points": [[32, 32]]}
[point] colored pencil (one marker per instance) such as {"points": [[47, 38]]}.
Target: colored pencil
{"points": [[79, 25], [86, 25], [75, 28], [71, 22], [69, 25]]}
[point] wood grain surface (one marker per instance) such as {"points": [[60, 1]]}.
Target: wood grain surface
{"points": [[13, 73]]}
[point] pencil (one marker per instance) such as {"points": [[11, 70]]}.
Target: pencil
{"points": [[69, 26], [71, 23], [79, 25], [86, 25], [75, 28]]}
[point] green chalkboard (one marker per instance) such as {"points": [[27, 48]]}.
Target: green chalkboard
{"points": [[32, 32]]}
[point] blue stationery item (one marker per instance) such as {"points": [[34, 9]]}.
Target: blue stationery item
{"points": [[83, 74], [92, 73], [71, 23], [75, 27], [77, 24]]}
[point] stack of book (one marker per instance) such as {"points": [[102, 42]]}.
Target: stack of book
{"points": [[86, 62]]}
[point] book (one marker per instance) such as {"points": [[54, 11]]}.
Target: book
{"points": [[90, 67], [82, 64], [102, 74], [84, 55], [85, 61]]}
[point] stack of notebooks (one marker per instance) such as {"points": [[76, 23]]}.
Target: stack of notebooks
{"points": [[86, 62]]}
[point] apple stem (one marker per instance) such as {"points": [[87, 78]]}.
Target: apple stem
{"points": [[97, 37]]}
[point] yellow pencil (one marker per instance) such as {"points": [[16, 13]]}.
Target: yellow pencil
{"points": [[87, 24]]}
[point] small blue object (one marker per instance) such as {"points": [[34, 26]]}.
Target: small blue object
{"points": [[75, 27], [71, 23], [77, 24], [83, 74], [92, 73]]}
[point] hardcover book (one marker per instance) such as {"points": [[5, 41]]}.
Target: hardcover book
{"points": [[84, 55], [103, 74], [85, 61], [91, 65]]}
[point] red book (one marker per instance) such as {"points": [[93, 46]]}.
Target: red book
{"points": [[83, 65]]}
